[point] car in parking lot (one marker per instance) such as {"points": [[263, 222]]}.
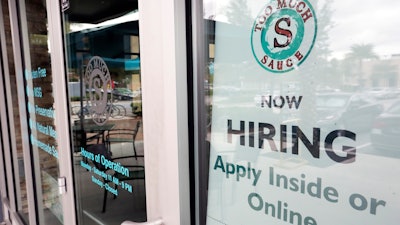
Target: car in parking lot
{"points": [[342, 110], [124, 94], [385, 132]]}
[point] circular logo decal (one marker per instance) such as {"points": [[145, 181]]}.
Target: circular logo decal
{"points": [[98, 80], [283, 34]]}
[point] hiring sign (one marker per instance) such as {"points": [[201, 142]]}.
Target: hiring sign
{"points": [[277, 156]]}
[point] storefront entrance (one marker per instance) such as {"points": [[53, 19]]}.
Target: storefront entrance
{"points": [[83, 146], [209, 112]]}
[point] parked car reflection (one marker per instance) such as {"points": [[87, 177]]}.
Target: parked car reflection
{"points": [[338, 110], [384, 92], [385, 132], [124, 94]]}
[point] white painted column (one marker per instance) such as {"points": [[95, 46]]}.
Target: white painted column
{"points": [[165, 113]]}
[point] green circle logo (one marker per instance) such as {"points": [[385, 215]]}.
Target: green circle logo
{"points": [[283, 34]]}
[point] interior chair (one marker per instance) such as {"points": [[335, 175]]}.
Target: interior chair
{"points": [[136, 172], [79, 140], [123, 136], [83, 139]]}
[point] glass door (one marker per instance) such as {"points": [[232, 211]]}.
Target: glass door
{"points": [[104, 83], [74, 94], [12, 155], [34, 129]]}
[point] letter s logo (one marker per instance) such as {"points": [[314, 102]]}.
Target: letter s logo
{"points": [[284, 32]]}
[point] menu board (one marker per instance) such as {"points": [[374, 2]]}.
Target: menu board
{"points": [[291, 133]]}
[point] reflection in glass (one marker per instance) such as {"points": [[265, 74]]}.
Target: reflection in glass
{"points": [[40, 106], [340, 102], [103, 62], [20, 181]]}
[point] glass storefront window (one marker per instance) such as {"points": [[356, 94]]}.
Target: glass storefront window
{"points": [[38, 92], [15, 151], [303, 116], [104, 82]]}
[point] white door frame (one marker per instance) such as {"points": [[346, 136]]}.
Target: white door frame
{"points": [[56, 46], [162, 30]]}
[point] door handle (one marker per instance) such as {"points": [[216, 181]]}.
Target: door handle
{"points": [[155, 222]]}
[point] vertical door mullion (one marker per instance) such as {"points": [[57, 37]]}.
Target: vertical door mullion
{"points": [[163, 34], [7, 118], [199, 63], [4, 124], [4, 139], [62, 111]]}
